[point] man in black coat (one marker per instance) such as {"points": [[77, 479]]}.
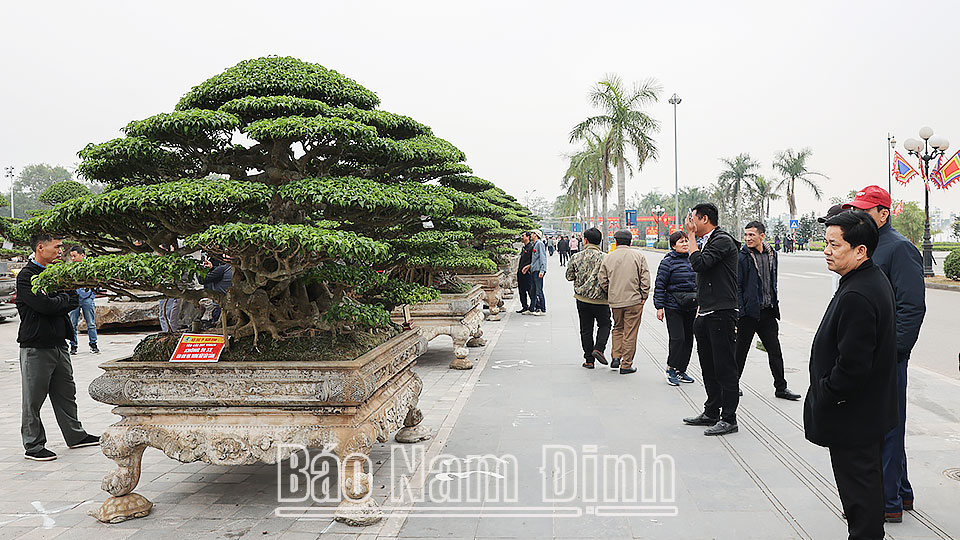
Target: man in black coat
{"points": [[759, 305], [524, 280], [716, 324], [45, 367], [852, 402], [900, 260]]}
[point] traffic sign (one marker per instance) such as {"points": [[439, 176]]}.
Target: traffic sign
{"points": [[794, 223]]}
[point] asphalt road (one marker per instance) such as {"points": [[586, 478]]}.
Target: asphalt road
{"points": [[806, 287]]}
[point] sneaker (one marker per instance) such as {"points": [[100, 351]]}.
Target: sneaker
{"points": [[614, 363], [89, 440], [672, 378], [540, 313], [94, 349], [627, 370], [73, 349], [40, 455], [684, 378], [528, 312]]}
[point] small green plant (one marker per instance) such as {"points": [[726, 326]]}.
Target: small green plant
{"points": [[951, 265]]}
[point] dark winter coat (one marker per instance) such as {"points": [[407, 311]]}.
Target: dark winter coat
{"points": [[852, 400], [900, 260], [673, 275], [44, 318], [750, 288], [716, 267], [219, 278]]}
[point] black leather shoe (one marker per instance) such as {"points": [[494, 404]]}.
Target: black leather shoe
{"points": [[523, 310], [893, 517], [787, 394], [700, 420], [908, 504], [614, 363], [627, 370], [721, 428], [598, 356]]}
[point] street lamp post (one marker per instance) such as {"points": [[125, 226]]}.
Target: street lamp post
{"points": [[9, 171], [930, 149], [658, 211], [891, 143], [675, 100]]}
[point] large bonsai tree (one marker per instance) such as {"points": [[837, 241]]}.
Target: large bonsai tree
{"points": [[287, 169]]}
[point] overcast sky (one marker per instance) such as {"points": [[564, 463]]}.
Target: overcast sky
{"points": [[506, 81]]}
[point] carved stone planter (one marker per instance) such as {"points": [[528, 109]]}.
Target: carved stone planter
{"points": [[237, 413], [456, 315], [491, 286]]}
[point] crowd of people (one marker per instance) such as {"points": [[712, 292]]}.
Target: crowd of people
{"points": [[711, 289]]}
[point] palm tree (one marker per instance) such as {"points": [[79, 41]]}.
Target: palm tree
{"points": [[793, 166], [763, 192], [628, 127], [589, 171], [735, 180]]}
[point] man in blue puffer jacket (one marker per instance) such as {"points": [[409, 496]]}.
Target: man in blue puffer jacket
{"points": [[759, 305]]}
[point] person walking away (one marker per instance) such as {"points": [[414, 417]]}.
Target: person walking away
{"points": [[551, 246], [900, 261], [537, 269], [592, 307], [563, 246], [625, 277], [852, 400], [87, 297], [218, 279], [716, 325], [776, 243], [760, 306], [675, 297], [574, 245], [45, 367], [524, 280]]}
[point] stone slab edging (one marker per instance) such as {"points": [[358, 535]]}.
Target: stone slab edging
{"points": [[943, 286]]}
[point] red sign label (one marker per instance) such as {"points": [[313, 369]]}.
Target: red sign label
{"points": [[198, 348]]}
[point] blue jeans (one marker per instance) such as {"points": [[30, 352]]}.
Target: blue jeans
{"points": [[896, 486], [86, 306], [537, 302]]}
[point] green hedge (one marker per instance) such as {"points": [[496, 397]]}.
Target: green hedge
{"points": [[946, 246], [951, 265]]}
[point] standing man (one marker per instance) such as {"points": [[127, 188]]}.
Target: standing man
{"points": [[537, 269], [851, 403], [45, 367], [901, 262], [592, 306], [625, 277], [759, 305], [563, 246], [524, 282], [716, 324], [87, 297]]}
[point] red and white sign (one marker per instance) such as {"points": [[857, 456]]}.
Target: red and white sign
{"points": [[198, 348]]}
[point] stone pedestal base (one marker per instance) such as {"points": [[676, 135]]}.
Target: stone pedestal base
{"points": [[456, 315]]}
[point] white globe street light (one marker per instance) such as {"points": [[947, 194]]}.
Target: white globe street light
{"points": [[931, 148]]}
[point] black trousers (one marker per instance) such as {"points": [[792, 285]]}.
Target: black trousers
{"points": [[590, 314], [680, 330], [859, 476], [716, 345], [769, 331], [564, 255], [523, 286]]}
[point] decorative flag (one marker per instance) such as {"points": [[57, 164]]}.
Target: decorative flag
{"points": [[949, 172], [898, 209], [902, 170]]}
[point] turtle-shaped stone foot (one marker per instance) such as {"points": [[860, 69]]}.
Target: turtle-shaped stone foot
{"points": [[117, 509]]}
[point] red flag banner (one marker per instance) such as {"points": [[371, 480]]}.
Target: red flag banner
{"points": [[898, 209], [902, 170], [949, 172]]}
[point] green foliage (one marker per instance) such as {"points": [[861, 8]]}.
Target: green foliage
{"points": [[910, 223], [33, 180], [140, 270], [272, 76], [362, 315], [955, 229], [185, 128], [63, 191], [951, 265], [946, 246], [315, 129], [135, 160], [356, 197]]}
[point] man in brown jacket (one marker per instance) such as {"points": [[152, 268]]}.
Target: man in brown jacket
{"points": [[625, 277]]}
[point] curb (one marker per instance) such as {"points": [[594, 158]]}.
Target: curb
{"points": [[943, 286]]}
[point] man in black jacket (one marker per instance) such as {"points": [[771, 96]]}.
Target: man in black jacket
{"points": [[716, 324], [900, 260], [851, 403], [524, 280], [759, 305], [45, 366]]}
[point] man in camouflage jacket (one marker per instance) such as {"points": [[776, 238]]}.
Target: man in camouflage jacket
{"points": [[583, 270]]}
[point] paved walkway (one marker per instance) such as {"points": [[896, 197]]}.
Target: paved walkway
{"points": [[527, 390]]}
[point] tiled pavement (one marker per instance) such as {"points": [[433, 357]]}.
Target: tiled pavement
{"points": [[528, 390]]}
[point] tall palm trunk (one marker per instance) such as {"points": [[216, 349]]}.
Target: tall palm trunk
{"points": [[621, 192], [790, 199], [603, 223]]}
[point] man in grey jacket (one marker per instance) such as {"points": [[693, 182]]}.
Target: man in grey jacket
{"points": [[537, 269]]}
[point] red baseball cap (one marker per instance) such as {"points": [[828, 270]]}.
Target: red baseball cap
{"points": [[870, 197]]}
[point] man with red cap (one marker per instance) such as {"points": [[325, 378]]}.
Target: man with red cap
{"points": [[901, 262]]}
